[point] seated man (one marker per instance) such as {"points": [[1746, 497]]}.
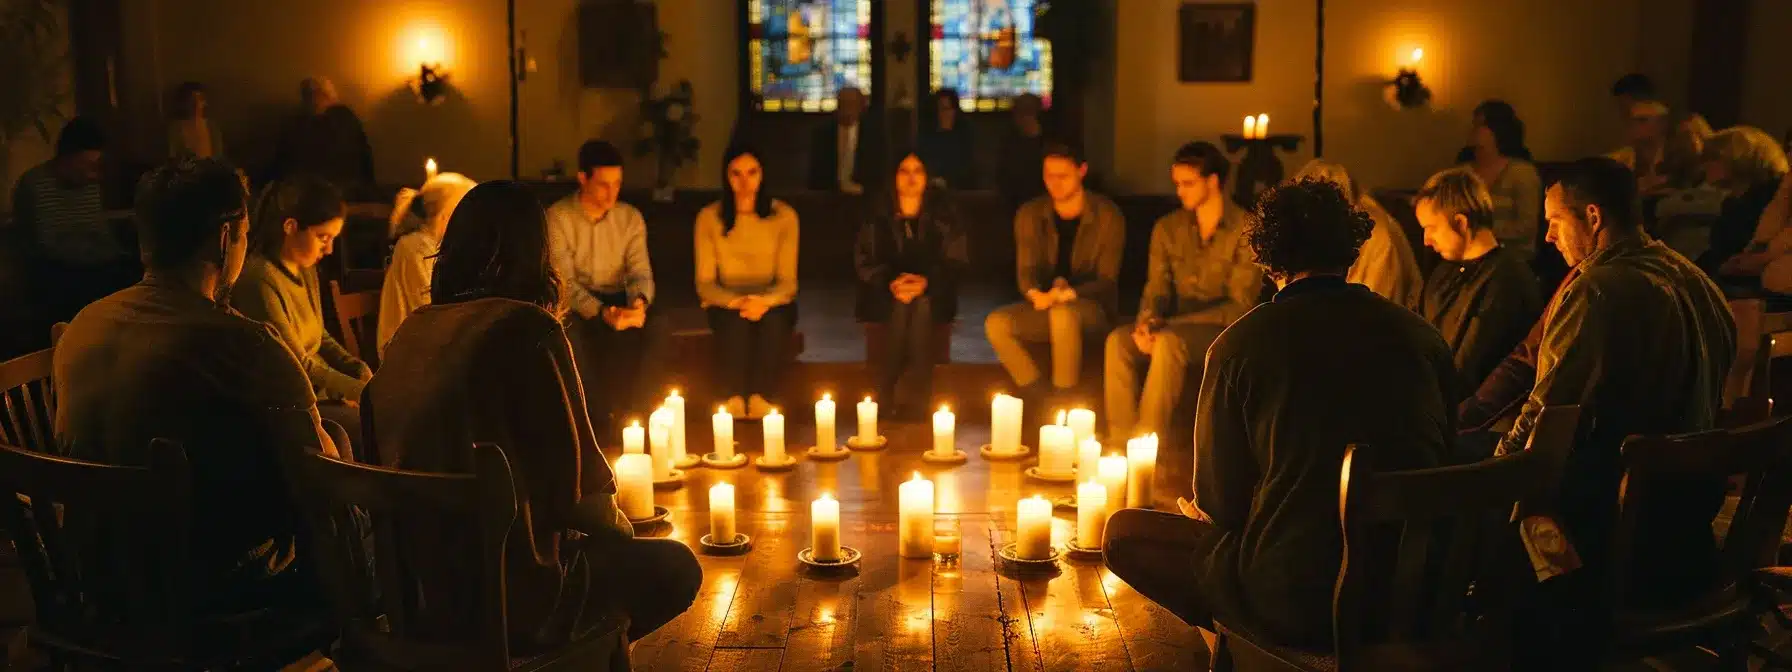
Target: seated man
{"points": [[59, 205], [1288, 387], [167, 358], [1482, 297], [600, 250], [1201, 278], [1067, 247], [846, 153]]}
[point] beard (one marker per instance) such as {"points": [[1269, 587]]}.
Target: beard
{"points": [[221, 295]]}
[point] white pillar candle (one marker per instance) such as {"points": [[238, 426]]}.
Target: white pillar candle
{"points": [[944, 429], [1004, 425], [721, 513], [723, 425], [1141, 462], [824, 424], [1082, 423], [675, 404], [1250, 126], [659, 443], [634, 438], [867, 422], [774, 436], [634, 485], [914, 529], [1091, 513], [1055, 448], [429, 169], [1033, 530], [824, 528], [1112, 475], [1262, 125], [1088, 457]]}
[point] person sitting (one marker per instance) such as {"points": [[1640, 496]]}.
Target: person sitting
{"points": [[168, 359], [1386, 265], [59, 207], [1499, 157], [845, 153], [1200, 278], [1288, 388], [600, 250], [1067, 247], [192, 130], [1646, 133], [1481, 297], [1747, 164], [1776, 229], [947, 146], [296, 224], [1670, 382], [418, 219], [746, 254], [489, 362], [909, 256], [325, 139], [1019, 151]]}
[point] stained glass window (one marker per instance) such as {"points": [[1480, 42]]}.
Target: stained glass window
{"points": [[800, 53], [986, 50]]}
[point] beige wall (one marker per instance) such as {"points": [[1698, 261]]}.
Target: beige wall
{"points": [[1766, 95]]}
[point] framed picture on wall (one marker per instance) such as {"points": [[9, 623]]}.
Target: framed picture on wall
{"points": [[1215, 41]]}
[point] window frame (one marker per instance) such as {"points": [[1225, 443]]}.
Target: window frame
{"points": [[924, 64], [749, 102]]}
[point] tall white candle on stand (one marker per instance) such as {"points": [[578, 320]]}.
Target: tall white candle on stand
{"points": [[914, 529], [774, 436], [1055, 448], [824, 424], [1082, 423], [1091, 513], [675, 404], [1112, 475], [634, 438], [824, 528], [634, 485], [1262, 125], [1250, 126], [659, 440], [1088, 457], [1004, 425], [944, 429], [723, 425], [867, 422], [1141, 461], [1033, 531], [721, 513]]}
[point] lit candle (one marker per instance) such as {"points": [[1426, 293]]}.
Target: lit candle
{"points": [[824, 424], [1004, 425], [634, 438], [1088, 457], [774, 437], [659, 442], [675, 404], [1250, 126], [1262, 125], [1055, 448], [1091, 513], [867, 422], [721, 513], [824, 528], [914, 528], [943, 429], [634, 485], [1082, 422], [724, 429], [948, 543], [429, 169], [1033, 531], [1112, 475], [1141, 461]]}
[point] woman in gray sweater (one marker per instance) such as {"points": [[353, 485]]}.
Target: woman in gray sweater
{"points": [[296, 223], [746, 247]]}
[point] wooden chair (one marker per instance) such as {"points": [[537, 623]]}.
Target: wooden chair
{"points": [[357, 317], [380, 629], [28, 402], [106, 551], [1747, 388]]}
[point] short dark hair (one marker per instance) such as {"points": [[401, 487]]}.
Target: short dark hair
{"points": [[1635, 85], [1508, 130], [496, 245], [308, 199], [80, 134], [182, 206], [598, 154], [1604, 182], [1063, 149], [1204, 157], [1307, 226]]}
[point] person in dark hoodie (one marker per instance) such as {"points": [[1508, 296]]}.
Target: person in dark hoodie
{"points": [[1483, 297], [909, 255]]}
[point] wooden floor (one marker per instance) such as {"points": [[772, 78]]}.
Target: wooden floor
{"points": [[760, 612]]}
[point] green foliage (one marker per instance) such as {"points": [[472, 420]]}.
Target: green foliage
{"points": [[33, 62]]}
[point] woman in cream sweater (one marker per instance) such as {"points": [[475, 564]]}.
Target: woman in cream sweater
{"points": [[418, 219], [746, 252]]}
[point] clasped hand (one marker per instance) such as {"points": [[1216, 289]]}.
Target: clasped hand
{"points": [[1060, 293], [751, 307], [620, 318], [908, 286]]}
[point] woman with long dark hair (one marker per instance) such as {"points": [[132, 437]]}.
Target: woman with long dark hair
{"points": [[488, 362], [1497, 153], [909, 256], [746, 250]]}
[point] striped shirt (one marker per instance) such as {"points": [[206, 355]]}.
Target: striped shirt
{"points": [[600, 256], [68, 222]]}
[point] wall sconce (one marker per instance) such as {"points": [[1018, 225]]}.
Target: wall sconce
{"points": [[1409, 91], [431, 84]]}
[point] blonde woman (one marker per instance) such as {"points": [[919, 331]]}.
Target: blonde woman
{"points": [[419, 217], [1748, 165], [1386, 264]]}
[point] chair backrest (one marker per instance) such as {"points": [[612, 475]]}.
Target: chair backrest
{"points": [[1758, 457], [1431, 562], [28, 402], [104, 547], [1552, 438], [377, 612], [356, 316], [1746, 388]]}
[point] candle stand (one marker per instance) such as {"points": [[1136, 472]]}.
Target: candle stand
{"points": [[1260, 168], [741, 544], [988, 451], [849, 560], [1037, 475], [659, 515], [1011, 560], [672, 481], [1078, 553], [957, 457], [854, 443], [734, 461], [835, 455], [766, 465]]}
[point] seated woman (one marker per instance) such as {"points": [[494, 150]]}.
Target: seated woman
{"points": [[1747, 164], [297, 221], [1386, 264], [418, 219], [1497, 153], [909, 256], [488, 361], [746, 280]]}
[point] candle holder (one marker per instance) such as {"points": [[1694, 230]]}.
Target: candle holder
{"points": [[835, 455], [672, 481], [988, 451], [659, 515], [1009, 554], [1067, 502], [1078, 553], [1037, 475], [739, 546], [688, 461], [767, 465], [1260, 168], [849, 560], [957, 457], [734, 461], [854, 443]]}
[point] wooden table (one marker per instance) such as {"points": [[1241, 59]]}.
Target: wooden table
{"points": [[761, 612]]}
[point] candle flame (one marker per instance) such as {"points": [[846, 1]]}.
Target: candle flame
{"points": [[674, 394], [867, 399], [1061, 415], [636, 423], [917, 477], [825, 496], [1418, 54], [943, 409], [774, 412], [827, 397], [721, 410]]}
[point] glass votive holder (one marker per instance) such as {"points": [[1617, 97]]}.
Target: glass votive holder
{"points": [[947, 542]]}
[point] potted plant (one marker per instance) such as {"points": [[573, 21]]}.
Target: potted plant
{"points": [[668, 128], [33, 62]]}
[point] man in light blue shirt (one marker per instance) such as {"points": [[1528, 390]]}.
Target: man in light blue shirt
{"points": [[599, 247]]}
